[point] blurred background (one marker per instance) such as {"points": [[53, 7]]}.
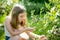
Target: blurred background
{"points": [[43, 15]]}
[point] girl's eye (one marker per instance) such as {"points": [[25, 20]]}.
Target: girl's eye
{"points": [[21, 16]]}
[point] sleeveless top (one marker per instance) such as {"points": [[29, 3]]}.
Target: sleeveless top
{"points": [[6, 31]]}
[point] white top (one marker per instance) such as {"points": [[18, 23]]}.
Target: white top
{"points": [[6, 31]]}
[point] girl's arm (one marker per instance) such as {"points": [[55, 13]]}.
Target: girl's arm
{"points": [[32, 35], [10, 29]]}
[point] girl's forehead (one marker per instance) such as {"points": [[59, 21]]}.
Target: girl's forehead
{"points": [[21, 14]]}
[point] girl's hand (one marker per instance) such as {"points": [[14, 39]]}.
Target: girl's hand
{"points": [[42, 37]]}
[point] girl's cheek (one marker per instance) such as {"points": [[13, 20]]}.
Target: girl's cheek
{"points": [[19, 20]]}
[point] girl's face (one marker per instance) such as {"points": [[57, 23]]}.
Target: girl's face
{"points": [[21, 17]]}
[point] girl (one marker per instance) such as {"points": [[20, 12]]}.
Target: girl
{"points": [[15, 25]]}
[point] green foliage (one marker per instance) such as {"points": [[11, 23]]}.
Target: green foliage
{"points": [[48, 23], [36, 1], [40, 6]]}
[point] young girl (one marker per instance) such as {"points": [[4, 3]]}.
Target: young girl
{"points": [[15, 25]]}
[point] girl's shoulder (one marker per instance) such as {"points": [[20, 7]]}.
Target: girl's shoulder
{"points": [[7, 18]]}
